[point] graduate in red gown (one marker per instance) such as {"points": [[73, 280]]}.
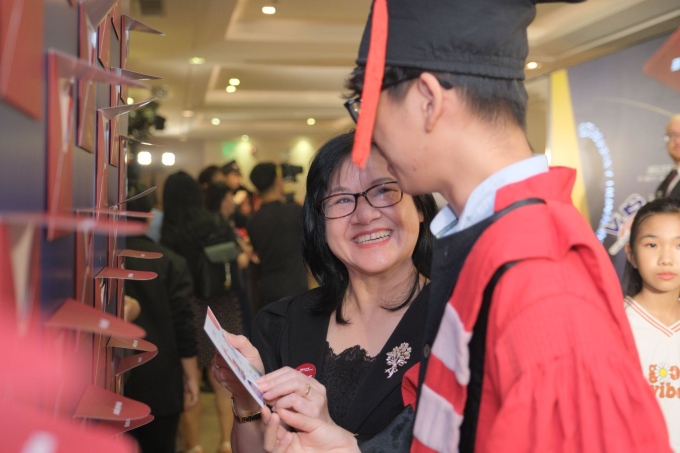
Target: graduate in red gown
{"points": [[527, 345]]}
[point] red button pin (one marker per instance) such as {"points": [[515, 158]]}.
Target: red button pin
{"points": [[307, 369]]}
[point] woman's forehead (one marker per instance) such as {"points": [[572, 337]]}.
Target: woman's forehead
{"points": [[349, 175]]}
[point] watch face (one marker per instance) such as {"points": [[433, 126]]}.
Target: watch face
{"points": [[664, 65]]}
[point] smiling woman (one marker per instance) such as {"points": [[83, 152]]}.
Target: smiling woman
{"points": [[355, 337]]}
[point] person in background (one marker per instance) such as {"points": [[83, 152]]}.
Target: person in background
{"points": [[243, 198], [219, 200], [188, 227], [211, 174], [669, 187], [652, 280], [275, 232], [169, 383], [369, 247]]}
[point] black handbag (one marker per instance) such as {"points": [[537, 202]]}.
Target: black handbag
{"points": [[214, 276]]}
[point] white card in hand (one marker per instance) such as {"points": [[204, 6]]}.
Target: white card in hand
{"points": [[246, 373]]}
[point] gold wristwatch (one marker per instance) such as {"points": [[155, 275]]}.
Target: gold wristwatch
{"points": [[244, 418]]}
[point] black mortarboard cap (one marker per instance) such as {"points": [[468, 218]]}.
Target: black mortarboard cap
{"points": [[485, 38]]}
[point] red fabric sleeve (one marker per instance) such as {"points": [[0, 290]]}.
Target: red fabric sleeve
{"points": [[409, 386], [559, 377]]}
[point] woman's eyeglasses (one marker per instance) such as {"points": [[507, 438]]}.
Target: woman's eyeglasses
{"points": [[343, 204]]}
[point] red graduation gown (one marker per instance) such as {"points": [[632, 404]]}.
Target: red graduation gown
{"points": [[560, 370]]}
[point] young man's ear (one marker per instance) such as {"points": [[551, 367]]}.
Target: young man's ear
{"points": [[432, 102], [630, 256]]}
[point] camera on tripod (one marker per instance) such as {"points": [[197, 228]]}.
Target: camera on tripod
{"points": [[289, 172]]}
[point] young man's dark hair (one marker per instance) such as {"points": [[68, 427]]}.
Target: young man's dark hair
{"points": [[263, 176], [493, 100]]}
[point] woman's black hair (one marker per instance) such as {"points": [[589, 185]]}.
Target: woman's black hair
{"points": [[327, 269], [631, 276], [187, 224], [214, 194]]}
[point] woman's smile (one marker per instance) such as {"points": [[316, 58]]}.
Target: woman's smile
{"points": [[373, 237]]}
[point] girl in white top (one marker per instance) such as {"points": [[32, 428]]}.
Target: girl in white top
{"points": [[653, 305]]}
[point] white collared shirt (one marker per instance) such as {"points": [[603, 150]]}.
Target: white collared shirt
{"points": [[480, 204]]}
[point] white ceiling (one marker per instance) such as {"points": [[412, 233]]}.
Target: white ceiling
{"points": [[292, 64]]}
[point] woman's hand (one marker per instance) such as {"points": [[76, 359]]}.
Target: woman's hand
{"points": [[287, 388], [226, 377], [313, 436]]}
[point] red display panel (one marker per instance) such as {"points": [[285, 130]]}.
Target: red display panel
{"points": [[664, 65], [87, 50], [31, 430], [132, 361], [101, 404], [126, 425], [85, 267], [60, 139], [21, 55], [130, 24], [78, 316]]}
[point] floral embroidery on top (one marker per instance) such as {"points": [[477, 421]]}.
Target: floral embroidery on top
{"points": [[397, 358]]}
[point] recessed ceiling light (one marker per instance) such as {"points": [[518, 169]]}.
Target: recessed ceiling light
{"points": [[235, 82], [533, 65], [196, 60], [215, 121], [130, 101], [187, 113], [231, 89], [244, 138], [311, 121], [168, 159], [268, 9], [144, 158]]}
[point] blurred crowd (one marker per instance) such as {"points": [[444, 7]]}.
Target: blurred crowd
{"points": [[226, 248]]}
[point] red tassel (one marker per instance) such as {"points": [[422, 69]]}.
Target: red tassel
{"points": [[375, 70]]}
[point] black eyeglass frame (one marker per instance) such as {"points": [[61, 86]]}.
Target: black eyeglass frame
{"points": [[354, 113], [319, 204]]}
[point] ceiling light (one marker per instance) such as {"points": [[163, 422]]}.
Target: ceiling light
{"points": [[235, 82], [196, 60], [215, 121], [244, 138], [168, 159], [268, 9], [231, 89], [187, 113], [144, 158], [533, 65], [311, 121], [130, 101]]}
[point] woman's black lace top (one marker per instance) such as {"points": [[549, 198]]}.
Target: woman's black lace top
{"points": [[341, 375]]}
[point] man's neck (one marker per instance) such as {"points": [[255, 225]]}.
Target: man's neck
{"points": [[478, 159], [272, 195]]}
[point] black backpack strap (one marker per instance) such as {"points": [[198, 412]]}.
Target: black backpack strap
{"points": [[477, 348], [468, 430]]}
